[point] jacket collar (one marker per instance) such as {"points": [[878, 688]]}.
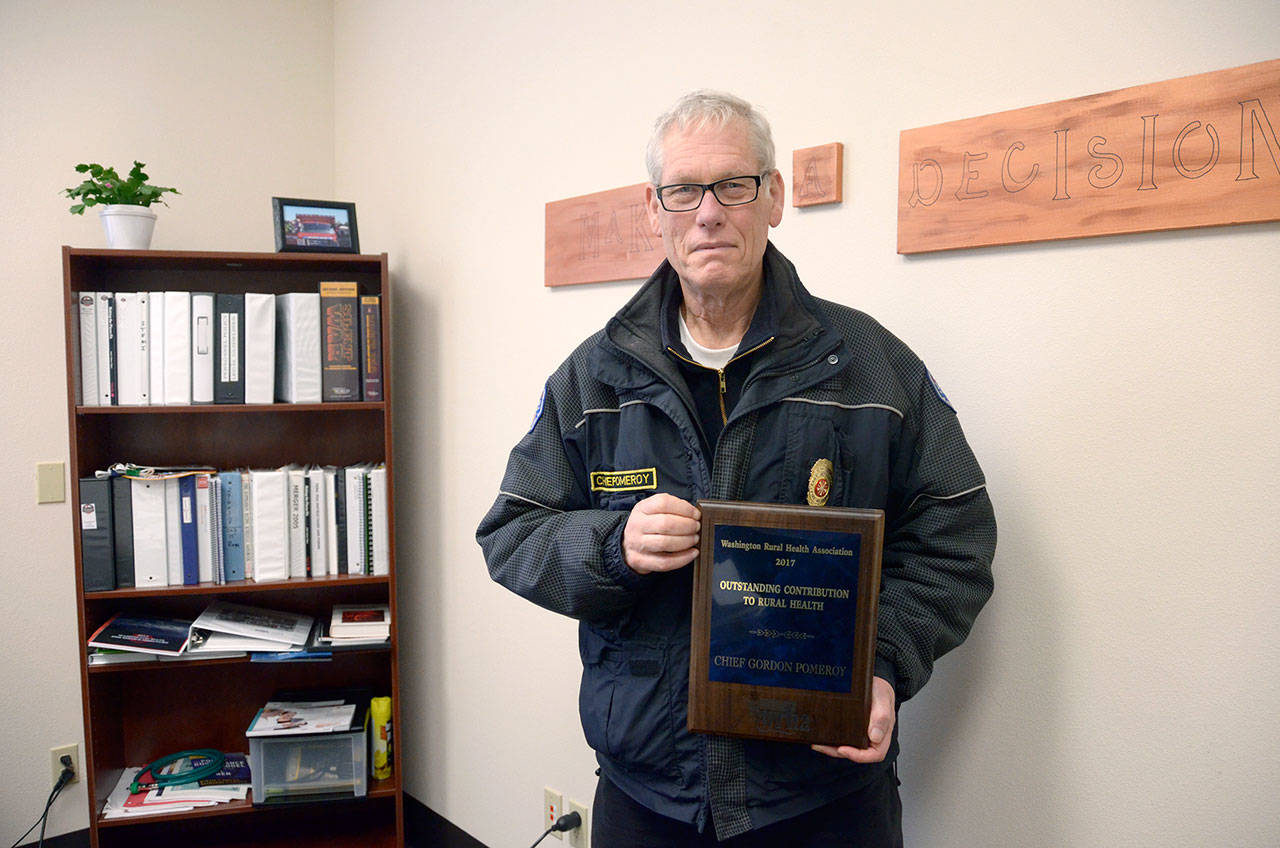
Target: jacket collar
{"points": [[639, 332]]}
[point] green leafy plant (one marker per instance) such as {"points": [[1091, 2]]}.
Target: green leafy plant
{"points": [[104, 187]]}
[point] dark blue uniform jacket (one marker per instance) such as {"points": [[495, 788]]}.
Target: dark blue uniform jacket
{"points": [[816, 380]]}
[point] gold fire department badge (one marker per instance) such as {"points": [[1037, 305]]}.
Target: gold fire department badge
{"points": [[820, 482]]}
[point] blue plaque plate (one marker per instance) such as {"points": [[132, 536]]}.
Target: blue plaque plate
{"points": [[784, 607]]}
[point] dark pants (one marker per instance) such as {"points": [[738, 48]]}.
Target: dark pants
{"points": [[869, 818]]}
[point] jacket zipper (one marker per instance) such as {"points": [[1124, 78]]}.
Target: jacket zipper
{"points": [[724, 386]]}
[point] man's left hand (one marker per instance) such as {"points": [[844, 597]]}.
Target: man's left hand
{"points": [[879, 729]]}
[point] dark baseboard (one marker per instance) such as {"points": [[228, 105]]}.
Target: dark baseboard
{"points": [[425, 828], [74, 839]]}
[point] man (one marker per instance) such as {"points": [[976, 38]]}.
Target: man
{"points": [[724, 378]]}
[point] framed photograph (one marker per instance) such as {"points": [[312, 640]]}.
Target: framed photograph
{"points": [[314, 226]]}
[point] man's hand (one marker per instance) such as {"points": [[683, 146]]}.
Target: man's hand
{"points": [[661, 534], [879, 729]]}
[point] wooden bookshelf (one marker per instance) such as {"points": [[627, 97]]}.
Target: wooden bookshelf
{"points": [[134, 713]]}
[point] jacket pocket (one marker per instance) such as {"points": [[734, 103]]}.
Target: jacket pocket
{"points": [[626, 704], [810, 438]]}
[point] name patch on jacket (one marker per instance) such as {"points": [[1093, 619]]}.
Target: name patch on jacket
{"points": [[624, 481]]}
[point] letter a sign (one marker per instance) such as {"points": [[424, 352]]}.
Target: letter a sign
{"points": [[1199, 151]]}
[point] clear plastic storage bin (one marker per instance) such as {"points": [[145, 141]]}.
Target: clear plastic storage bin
{"points": [[307, 767]]}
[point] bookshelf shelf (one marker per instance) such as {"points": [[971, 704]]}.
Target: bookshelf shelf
{"points": [[136, 712], [232, 409], [156, 664], [377, 789], [295, 584]]}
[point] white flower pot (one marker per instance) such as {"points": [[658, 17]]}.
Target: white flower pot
{"points": [[128, 227]]}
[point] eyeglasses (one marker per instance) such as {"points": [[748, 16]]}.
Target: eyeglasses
{"points": [[731, 191]]}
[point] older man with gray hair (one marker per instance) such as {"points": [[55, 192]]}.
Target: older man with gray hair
{"points": [[724, 378]]}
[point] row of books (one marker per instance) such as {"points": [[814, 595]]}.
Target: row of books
{"points": [[177, 347], [224, 630], [156, 527], [136, 793]]}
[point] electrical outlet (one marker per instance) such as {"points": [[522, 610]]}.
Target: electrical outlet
{"points": [[580, 836], [552, 809], [55, 758]]}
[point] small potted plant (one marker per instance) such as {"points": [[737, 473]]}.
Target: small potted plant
{"points": [[125, 215]]}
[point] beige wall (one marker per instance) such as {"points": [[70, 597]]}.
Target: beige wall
{"points": [[1121, 392], [231, 102]]}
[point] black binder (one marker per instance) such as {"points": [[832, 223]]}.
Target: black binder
{"points": [[97, 542]]}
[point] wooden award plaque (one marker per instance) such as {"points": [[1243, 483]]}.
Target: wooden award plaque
{"points": [[784, 622]]}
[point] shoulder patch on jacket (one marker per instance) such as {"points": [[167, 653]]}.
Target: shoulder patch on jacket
{"points": [[938, 390], [537, 413]]}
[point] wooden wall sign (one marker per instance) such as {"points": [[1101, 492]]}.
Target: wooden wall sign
{"points": [[817, 174], [1197, 151], [599, 237]]}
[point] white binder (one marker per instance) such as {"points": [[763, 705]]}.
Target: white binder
{"points": [[105, 327], [298, 347], [259, 347], [177, 348], [379, 521], [318, 528], [150, 546], [296, 478], [270, 525], [155, 347], [133, 381], [204, 528], [202, 348], [173, 530], [88, 349], [356, 524]]}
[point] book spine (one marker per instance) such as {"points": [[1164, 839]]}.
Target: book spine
{"points": [[228, 351], [355, 520], [155, 346], [113, 362], [177, 348], [297, 532], [232, 525], [102, 335], [144, 344], [371, 347], [318, 523], [129, 350], [298, 347], [173, 531], [246, 501], [87, 311], [97, 538], [190, 537], [202, 347], [150, 545], [340, 516], [367, 492], [215, 523], [122, 518], [306, 522], [340, 377], [380, 519], [330, 523], [204, 528], [259, 347]]}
